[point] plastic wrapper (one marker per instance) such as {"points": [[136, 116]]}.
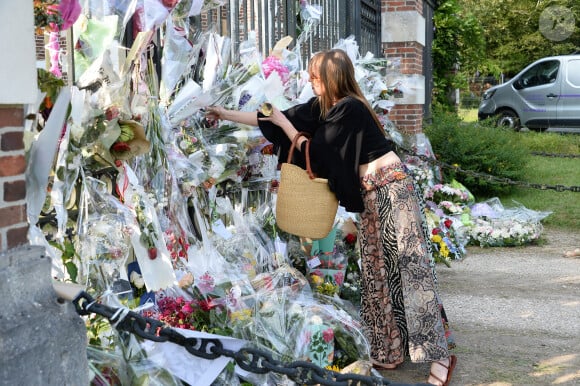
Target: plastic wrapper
{"points": [[104, 230], [448, 237], [41, 157], [93, 37], [426, 174], [178, 51], [331, 336], [350, 46], [497, 226], [454, 193], [294, 325], [111, 368], [146, 239], [309, 18]]}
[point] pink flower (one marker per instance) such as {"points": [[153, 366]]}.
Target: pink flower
{"points": [[306, 337], [328, 335], [339, 278], [187, 308], [273, 64], [206, 283], [205, 305], [69, 11]]}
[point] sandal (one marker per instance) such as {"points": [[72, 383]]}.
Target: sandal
{"points": [[450, 368]]}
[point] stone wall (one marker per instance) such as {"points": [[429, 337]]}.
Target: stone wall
{"points": [[43, 341]]}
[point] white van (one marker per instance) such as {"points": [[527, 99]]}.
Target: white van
{"points": [[545, 94]]}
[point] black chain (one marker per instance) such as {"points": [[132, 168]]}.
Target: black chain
{"points": [[489, 177], [555, 155], [249, 359]]}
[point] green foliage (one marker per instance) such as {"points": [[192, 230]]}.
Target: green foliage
{"points": [[478, 148], [69, 257], [512, 35], [458, 42]]}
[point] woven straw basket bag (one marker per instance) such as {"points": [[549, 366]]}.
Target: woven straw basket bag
{"points": [[305, 205]]}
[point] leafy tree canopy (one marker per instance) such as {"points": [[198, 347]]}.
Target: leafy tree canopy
{"points": [[513, 32]]}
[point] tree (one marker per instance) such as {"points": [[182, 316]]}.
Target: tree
{"points": [[458, 46], [516, 32]]}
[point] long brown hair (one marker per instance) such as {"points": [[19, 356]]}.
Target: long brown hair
{"points": [[336, 73]]}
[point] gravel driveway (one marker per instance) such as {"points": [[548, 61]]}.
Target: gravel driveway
{"points": [[515, 313]]}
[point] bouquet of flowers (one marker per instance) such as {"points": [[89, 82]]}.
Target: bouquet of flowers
{"points": [[446, 245], [496, 226], [445, 192], [504, 233]]}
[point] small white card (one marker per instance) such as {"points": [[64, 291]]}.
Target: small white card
{"points": [[313, 262]]}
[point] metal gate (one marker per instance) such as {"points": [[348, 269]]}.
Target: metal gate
{"points": [[274, 19]]}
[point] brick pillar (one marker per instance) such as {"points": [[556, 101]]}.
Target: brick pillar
{"points": [[13, 224], [403, 37]]}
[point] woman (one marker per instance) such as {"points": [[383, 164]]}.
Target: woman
{"points": [[400, 309]]}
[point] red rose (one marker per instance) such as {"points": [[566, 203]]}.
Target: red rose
{"points": [[448, 223], [205, 305], [152, 253], [120, 147], [435, 231], [350, 238]]}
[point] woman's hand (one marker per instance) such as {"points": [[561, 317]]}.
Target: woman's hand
{"points": [[277, 118], [280, 120], [214, 113]]}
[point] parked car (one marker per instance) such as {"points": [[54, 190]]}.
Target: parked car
{"points": [[545, 94]]}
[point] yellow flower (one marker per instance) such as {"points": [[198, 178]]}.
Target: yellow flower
{"points": [[316, 280], [436, 238], [334, 368], [241, 315]]}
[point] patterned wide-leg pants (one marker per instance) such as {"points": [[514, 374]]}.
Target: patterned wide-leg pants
{"points": [[401, 311]]}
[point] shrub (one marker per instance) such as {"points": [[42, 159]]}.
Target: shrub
{"points": [[477, 147]]}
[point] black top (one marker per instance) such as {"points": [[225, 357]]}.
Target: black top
{"points": [[347, 138]]}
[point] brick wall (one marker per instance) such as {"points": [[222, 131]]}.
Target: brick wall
{"points": [[401, 5], [13, 221], [408, 118]]}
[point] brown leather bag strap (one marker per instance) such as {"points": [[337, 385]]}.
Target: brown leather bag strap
{"points": [[307, 151]]}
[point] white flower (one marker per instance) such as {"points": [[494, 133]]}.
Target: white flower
{"points": [[316, 320], [137, 280]]}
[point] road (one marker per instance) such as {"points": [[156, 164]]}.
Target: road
{"points": [[515, 313]]}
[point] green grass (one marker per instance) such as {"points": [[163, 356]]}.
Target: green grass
{"points": [[565, 205], [468, 115]]}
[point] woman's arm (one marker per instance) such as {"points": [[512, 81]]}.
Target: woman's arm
{"points": [[249, 118]]}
